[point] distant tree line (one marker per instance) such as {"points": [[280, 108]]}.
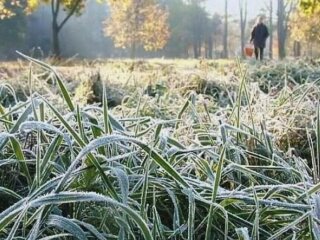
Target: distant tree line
{"points": [[187, 29], [149, 28]]}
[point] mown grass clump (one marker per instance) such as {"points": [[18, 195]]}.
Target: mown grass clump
{"points": [[193, 170]]}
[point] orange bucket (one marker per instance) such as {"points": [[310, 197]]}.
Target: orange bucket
{"points": [[248, 50]]}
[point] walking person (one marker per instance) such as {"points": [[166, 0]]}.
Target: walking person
{"points": [[259, 35]]}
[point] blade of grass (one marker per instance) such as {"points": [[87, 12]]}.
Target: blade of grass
{"points": [[61, 85], [214, 193]]}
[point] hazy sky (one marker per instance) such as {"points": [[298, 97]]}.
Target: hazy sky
{"points": [[254, 7]]}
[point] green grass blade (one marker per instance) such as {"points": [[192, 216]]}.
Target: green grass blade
{"points": [[107, 125], [61, 85], [9, 192], [289, 226], [66, 225], [72, 197], [20, 156], [118, 138], [214, 193], [80, 141], [191, 215], [52, 150], [96, 234], [145, 187]]}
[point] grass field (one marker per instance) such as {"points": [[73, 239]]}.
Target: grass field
{"points": [[160, 149]]}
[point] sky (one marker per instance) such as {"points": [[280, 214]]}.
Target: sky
{"points": [[254, 6]]}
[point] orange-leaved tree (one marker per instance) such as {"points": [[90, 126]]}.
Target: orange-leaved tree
{"points": [[134, 23]]}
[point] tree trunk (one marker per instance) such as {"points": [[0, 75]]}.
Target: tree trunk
{"points": [[243, 22], [199, 46], [56, 27], [55, 38], [280, 30], [225, 34], [210, 47], [284, 11], [133, 50], [270, 31], [296, 49], [195, 49], [206, 49]]}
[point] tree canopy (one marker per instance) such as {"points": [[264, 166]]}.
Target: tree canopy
{"points": [[134, 23], [304, 27], [70, 7], [309, 7], [7, 8]]}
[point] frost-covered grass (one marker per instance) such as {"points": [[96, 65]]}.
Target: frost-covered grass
{"points": [[176, 165]]}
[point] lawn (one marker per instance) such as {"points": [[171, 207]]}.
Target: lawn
{"points": [[159, 149]]}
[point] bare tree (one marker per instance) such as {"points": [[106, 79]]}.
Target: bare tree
{"points": [[225, 33], [284, 10], [270, 8], [243, 6]]}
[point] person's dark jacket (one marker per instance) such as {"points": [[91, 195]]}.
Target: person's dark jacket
{"points": [[259, 35]]}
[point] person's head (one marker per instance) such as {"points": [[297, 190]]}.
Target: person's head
{"points": [[260, 19]]}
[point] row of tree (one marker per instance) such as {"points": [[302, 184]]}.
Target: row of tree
{"points": [[171, 28]]}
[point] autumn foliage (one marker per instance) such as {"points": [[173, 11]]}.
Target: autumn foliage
{"points": [[7, 8], [309, 6], [136, 23], [305, 28]]}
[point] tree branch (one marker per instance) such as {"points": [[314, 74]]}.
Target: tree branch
{"points": [[266, 5], [52, 7], [288, 13], [74, 8], [55, 6]]}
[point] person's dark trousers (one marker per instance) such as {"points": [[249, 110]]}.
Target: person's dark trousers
{"points": [[258, 52]]}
